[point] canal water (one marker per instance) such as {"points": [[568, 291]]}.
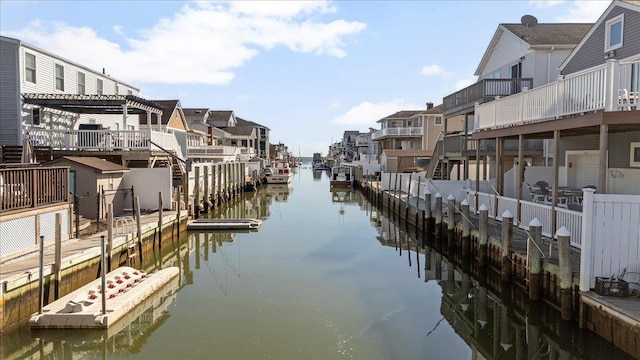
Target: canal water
{"points": [[327, 276]]}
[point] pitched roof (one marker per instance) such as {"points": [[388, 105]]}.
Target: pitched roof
{"points": [[98, 164], [404, 114], [550, 34], [243, 122], [193, 112], [220, 115], [434, 110], [565, 35], [239, 130], [167, 106]]}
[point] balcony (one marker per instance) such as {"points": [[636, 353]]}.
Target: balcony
{"points": [[482, 91], [603, 88], [398, 132]]}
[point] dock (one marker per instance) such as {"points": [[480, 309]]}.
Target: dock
{"points": [[83, 308], [224, 224]]}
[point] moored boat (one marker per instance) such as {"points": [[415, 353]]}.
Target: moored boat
{"points": [[341, 176], [224, 224], [279, 173]]}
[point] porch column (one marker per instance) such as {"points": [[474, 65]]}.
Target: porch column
{"points": [[520, 176], [499, 180], [159, 123], [477, 174], [124, 116], [464, 147], [554, 193], [149, 124], [612, 84], [604, 144]]}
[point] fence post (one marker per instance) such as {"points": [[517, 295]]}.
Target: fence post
{"points": [[451, 220], [587, 239], [466, 233], [566, 276], [535, 259], [507, 234], [483, 210], [100, 194], [427, 209]]}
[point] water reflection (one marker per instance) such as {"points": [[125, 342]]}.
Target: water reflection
{"points": [[497, 323]]}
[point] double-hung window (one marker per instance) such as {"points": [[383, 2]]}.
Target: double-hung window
{"points": [[99, 87], [30, 67], [81, 83], [613, 33], [438, 120], [59, 77]]}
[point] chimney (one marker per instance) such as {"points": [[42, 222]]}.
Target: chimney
{"points": [[429, 105]]}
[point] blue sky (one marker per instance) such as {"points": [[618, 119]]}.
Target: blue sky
{"points": [[307, 70]]}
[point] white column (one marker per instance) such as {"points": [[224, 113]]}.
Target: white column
{"points": [[611, 82], [586, 243], [124, 116]]}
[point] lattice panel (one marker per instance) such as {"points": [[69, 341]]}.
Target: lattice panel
{"points": [[17, 234], [48, 225]]}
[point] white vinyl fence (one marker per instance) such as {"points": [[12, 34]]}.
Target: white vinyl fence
{"points": [[611, 238]]}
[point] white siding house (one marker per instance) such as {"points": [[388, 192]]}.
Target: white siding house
{"points": [[28, 69]]}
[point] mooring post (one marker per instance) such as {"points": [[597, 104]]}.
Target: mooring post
{"points": [[406, 214], [535, 259], [507, 235], [103, 276], [196, 192], [418, 205], [58, 256], [110, 235], [451, 220], [138, 222], [427, 210], [484, 234], [438, 216], [160, 220], [178, 206], [566, 276], [466, 229], [395, 191], [41, 277]]}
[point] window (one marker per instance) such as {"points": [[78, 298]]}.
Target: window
{"points": [[30, 67], [634, 159], [59, 77], [613, 33], [129, 92], [438, 120], [117, 89], [36, 115], [99, 87], [81, 86]]}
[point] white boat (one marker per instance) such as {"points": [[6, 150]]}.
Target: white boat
{"points": [[341, 177], [279, 173], [224, 224]]}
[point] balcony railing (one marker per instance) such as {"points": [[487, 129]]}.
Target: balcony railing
{"points": [[482, 91], [32, 187], [596, 89], [397, 132]]}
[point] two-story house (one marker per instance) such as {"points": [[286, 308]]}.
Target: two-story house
{"points": [[261, 142], [588, 115], [518, 57]]}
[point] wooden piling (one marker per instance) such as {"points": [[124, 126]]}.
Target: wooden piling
{"points": [[507, 236], [483, 228], [159, 220], [110, 236], [566, 276], [466, 231], [139, 226], [406, 214], [535, 259], [418, 204], [427, 211], [438, 216], [58, 256], [451, 220], [196, 190]]}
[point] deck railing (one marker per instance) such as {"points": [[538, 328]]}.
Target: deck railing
{"points": [[398, 132], [592, 90], [483, 90], [33, 187]]}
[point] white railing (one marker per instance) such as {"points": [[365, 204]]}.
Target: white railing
{"points": [[89, 139], [398, 131], [588, 91]]}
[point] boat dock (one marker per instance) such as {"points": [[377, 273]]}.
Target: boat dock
{"points": [[224, 224], [84, 308]]}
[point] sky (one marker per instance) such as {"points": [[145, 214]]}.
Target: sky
{"points": [[308, 70]]}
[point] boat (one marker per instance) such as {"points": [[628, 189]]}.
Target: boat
{"points": [[278, 173], [341, 177], [319, 163], [224, 224]]}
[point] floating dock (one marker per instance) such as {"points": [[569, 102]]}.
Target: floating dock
{"points": [[82, 309], [224, 224]]}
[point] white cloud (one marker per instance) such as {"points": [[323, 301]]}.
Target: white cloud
{"points": [[428, 70], [202, 43], [584, 11], [365, 114], [461, 84], [118, 29], [545, 4]]}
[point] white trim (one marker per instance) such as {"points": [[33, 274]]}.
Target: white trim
{"points": [[634, 146], [607, 33]]}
